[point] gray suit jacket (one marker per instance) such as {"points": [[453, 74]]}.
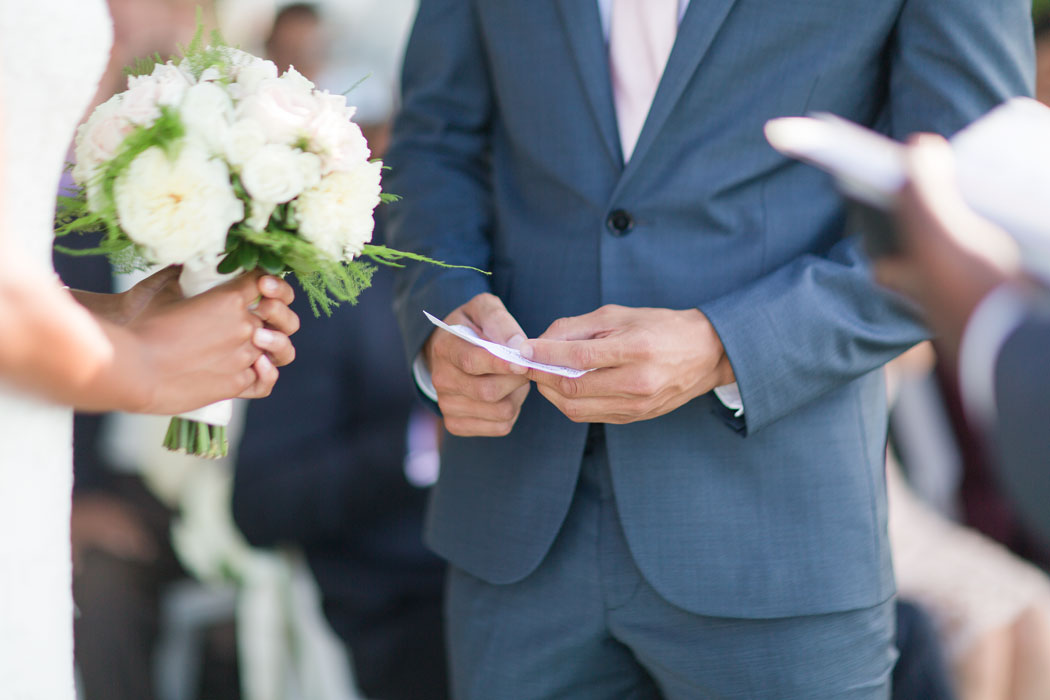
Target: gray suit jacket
{"points": [[1022, 394], [507, 156]]}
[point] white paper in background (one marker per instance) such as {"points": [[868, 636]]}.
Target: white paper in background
{"points": [[503, 352], [1002, 159]]}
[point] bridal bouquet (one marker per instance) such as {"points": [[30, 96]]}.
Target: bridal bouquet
{"points": [[217, 163]]}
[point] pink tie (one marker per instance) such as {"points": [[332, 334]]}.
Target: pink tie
{"points": [[641, 35]]}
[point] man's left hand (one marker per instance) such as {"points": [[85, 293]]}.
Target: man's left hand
{"points": [[647, 363]]}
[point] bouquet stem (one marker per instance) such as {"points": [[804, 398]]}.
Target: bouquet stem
{"points": [[196, 439]]}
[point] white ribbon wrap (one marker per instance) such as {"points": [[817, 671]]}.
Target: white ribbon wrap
{"points": [[199, 275]]}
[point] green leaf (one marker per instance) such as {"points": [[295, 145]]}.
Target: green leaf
{"points": [[249, 256], [229, 264], [271, 262]]}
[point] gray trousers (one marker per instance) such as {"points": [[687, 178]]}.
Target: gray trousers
{"points": [[586, 624]]}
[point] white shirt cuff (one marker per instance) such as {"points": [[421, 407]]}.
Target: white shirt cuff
{"points": [[422, 376], [729, 395], [993, 321]]}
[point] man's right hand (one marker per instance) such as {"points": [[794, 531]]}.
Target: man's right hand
{"points": [[479, 395]]}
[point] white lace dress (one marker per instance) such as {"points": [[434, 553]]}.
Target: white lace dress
{"points": [[52, 53]]}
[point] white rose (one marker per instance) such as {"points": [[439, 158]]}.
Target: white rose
{"points": [[250, 75], [243, 139], [336, 215], [278, 173], [177, 209], [259, 214], [147, 93], [338, 140], [206, 113], [282, 109], [98, 141], [297, 80]]}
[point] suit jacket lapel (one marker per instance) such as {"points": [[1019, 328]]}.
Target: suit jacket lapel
{"points": [[699, 26], [583, 31]]}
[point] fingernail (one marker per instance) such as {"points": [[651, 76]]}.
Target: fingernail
{"points": [[518, 369], [264, 364], [264, 338], [526, 350], [269, 285], [516, 340]]}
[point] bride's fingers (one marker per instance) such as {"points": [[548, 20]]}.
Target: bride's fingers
{"points": [[276, 345], [276, 288], [265, 378], [276, 314]]}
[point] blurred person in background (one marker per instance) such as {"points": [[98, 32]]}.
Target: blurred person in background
{"points": [[298, 40], [337, 462], [328, 463], [991, 609]]}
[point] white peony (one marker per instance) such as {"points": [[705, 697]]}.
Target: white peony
{"points": [[206, 114], [277, 173], [336, 215], [281, 107], [147, 93], [177, 209]]}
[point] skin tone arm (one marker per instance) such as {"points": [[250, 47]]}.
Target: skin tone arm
{"points": [[173, 355], [146, 350], [952, 258]]}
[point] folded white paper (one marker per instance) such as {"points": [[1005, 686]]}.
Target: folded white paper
{"points": [[1002, 160], [502, 351]]}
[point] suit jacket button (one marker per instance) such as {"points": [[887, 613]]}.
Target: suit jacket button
{"points": [[619, 223]]}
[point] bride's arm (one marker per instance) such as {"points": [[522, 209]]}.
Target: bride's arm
{"points": [[164, 355], [174, 355], [49, 344]]}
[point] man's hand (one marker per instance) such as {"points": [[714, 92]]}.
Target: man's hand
{"points": [[951, 256], [648, 362], [478, 394]]}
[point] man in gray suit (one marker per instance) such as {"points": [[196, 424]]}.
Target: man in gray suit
{"points": [[638, 532], [993, 321]]}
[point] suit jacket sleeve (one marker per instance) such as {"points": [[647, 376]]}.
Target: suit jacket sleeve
{"points": [[820, 321], [440, 155], [1022, 434]]}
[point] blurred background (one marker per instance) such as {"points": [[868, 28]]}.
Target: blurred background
{"points": [[294, 569]]}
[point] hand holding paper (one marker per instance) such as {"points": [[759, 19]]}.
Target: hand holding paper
{"points": [[503, 352], [479, 394], [648, 362]]}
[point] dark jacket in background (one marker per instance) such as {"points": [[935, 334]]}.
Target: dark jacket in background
{"points": [[321, 465]]}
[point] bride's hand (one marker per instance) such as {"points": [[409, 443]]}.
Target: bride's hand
{"points": [[162, 288], [188, 353]]}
